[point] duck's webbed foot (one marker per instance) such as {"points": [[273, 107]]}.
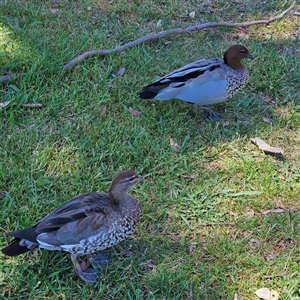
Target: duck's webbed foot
{"points": [[208, 113], [100, 260], [86, 274]]}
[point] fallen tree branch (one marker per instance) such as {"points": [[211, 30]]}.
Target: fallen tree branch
{"points": [[8, 77], [217, 224], [155, 36], [6, 103]]}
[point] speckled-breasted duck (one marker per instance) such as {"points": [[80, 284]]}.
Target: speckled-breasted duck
{"points": [[205, 81], [88, 223]]}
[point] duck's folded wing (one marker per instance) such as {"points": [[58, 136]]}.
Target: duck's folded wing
{"points": [[70, 222], [72, 233], [75, 210], [192, 70], [77, 220], [179, 77]]}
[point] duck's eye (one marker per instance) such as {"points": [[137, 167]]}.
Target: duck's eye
{"points": [[132, 178], [242, 51]]}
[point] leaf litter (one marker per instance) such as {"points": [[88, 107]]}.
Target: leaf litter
{"points": [[267, 294], [262, 145]]}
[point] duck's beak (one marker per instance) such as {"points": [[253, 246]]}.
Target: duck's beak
{"points": [[140, 178], [250, 56]]}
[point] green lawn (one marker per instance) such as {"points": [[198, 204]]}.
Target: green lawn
{"points": [[203, 233]]}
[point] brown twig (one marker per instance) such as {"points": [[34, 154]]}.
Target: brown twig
{"points": [[38, 105], [155, 36], [165, 33], [217, 224], [191, 289], [6, 103], [276, 275], [8, 77]]}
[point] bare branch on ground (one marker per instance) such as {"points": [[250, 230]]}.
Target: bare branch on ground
{"points": [[151, 37]]}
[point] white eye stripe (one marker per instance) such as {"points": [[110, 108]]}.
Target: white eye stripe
{"points": [[130, 179]]}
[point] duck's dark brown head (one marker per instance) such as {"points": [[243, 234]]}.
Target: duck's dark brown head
{"points": [[234, 55], [123, 181]]}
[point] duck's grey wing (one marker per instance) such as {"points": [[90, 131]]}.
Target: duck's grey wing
{"points": [[76, 209], [84, 212], [72, 233], [76, 220], [179, 77]]}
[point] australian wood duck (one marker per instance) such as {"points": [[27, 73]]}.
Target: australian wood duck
{"points": [[205, 81], [86, 224]]}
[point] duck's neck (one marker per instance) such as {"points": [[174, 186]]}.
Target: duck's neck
{"points": [[117, 195], [236, 65], [124, 202]]}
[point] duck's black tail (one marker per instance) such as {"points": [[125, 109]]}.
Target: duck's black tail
{"points": [[29, 241], [152, 90], [147, 94], [14, 248]]}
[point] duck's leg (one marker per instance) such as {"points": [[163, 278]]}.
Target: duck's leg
{"points": [[209, 114], [87, 274], [100, 260]]}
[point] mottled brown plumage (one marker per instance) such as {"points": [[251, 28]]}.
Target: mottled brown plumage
{"points": [[86, 224]]}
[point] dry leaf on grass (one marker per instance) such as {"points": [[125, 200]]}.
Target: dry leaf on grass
{"points": [[236, 297], [265, 147], [121, 72], [174, 145], [267, 294], [269, 256], [192, 14], [191, 176], [267, 120], [278, 249], [265, 98], [191, 247], [134, 112], [249, 213], [54, 10], [3, 104], [254, 242], [275, 211], [148, 266]]}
